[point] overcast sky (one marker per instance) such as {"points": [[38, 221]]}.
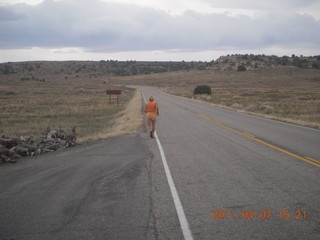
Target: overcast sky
{"points": [[190, 30]]}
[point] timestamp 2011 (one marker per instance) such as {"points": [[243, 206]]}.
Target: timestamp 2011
{"points": [[262, 214]]}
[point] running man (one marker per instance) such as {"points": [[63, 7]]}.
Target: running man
{"points": [[152, 111]]}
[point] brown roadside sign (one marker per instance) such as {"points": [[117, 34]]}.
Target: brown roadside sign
{"points": [[113, 92]]}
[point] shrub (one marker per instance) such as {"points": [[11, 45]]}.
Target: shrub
{"points": [[202, 89], [236, 106], [242, 68], [316, 65], [266, 108]]}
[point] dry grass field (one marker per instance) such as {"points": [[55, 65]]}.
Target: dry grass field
{"points": [[287, 94], [72, 98], [29, 107]]}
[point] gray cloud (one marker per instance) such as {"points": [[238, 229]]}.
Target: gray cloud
{"points": [[100, 26], [261, 4]]}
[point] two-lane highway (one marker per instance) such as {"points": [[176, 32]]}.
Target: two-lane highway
{"points": [[210, 173], [238, 176]]}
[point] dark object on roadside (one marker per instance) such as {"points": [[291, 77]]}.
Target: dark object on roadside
{"points": [[202, 89]]}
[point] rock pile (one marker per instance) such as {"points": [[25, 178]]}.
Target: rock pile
{"points": [[55, 139]]}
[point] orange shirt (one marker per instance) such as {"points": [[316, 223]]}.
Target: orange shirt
{"points": [[151, 107]]}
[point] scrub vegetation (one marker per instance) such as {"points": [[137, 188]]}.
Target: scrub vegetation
{"points": [[286, 89], [36, 96], [28, 108]]}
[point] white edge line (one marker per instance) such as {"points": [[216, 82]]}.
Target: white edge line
{"points": [[176, 199]]}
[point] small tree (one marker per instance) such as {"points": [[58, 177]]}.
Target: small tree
{"points": [[241, 68], [202, 89]]}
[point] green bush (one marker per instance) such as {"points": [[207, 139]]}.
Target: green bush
{"points": [[242, 68], [202, 89]]}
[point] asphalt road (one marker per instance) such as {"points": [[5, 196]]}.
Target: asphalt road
{"points": [[98, 191], [237, 177]]}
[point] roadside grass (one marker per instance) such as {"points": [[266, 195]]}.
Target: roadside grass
{"points": [[127, 121], [28, 108], [286, 94]]}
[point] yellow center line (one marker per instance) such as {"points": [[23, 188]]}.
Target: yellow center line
{"points": [[249, 135], [307, 159]]}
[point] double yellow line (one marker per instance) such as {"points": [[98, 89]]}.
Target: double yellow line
{"points": [[248, 135]]}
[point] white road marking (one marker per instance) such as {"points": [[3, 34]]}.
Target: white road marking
{"points": [[176, 199]]}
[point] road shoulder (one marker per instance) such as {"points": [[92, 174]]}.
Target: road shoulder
{"points": [[93, 191]]}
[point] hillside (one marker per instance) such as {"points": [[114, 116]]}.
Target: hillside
{"points": [[36, 70], [40, 94], [96, 68], [254, 62]]}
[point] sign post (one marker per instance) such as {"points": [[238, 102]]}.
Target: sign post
{"points": [[113, 92]]}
